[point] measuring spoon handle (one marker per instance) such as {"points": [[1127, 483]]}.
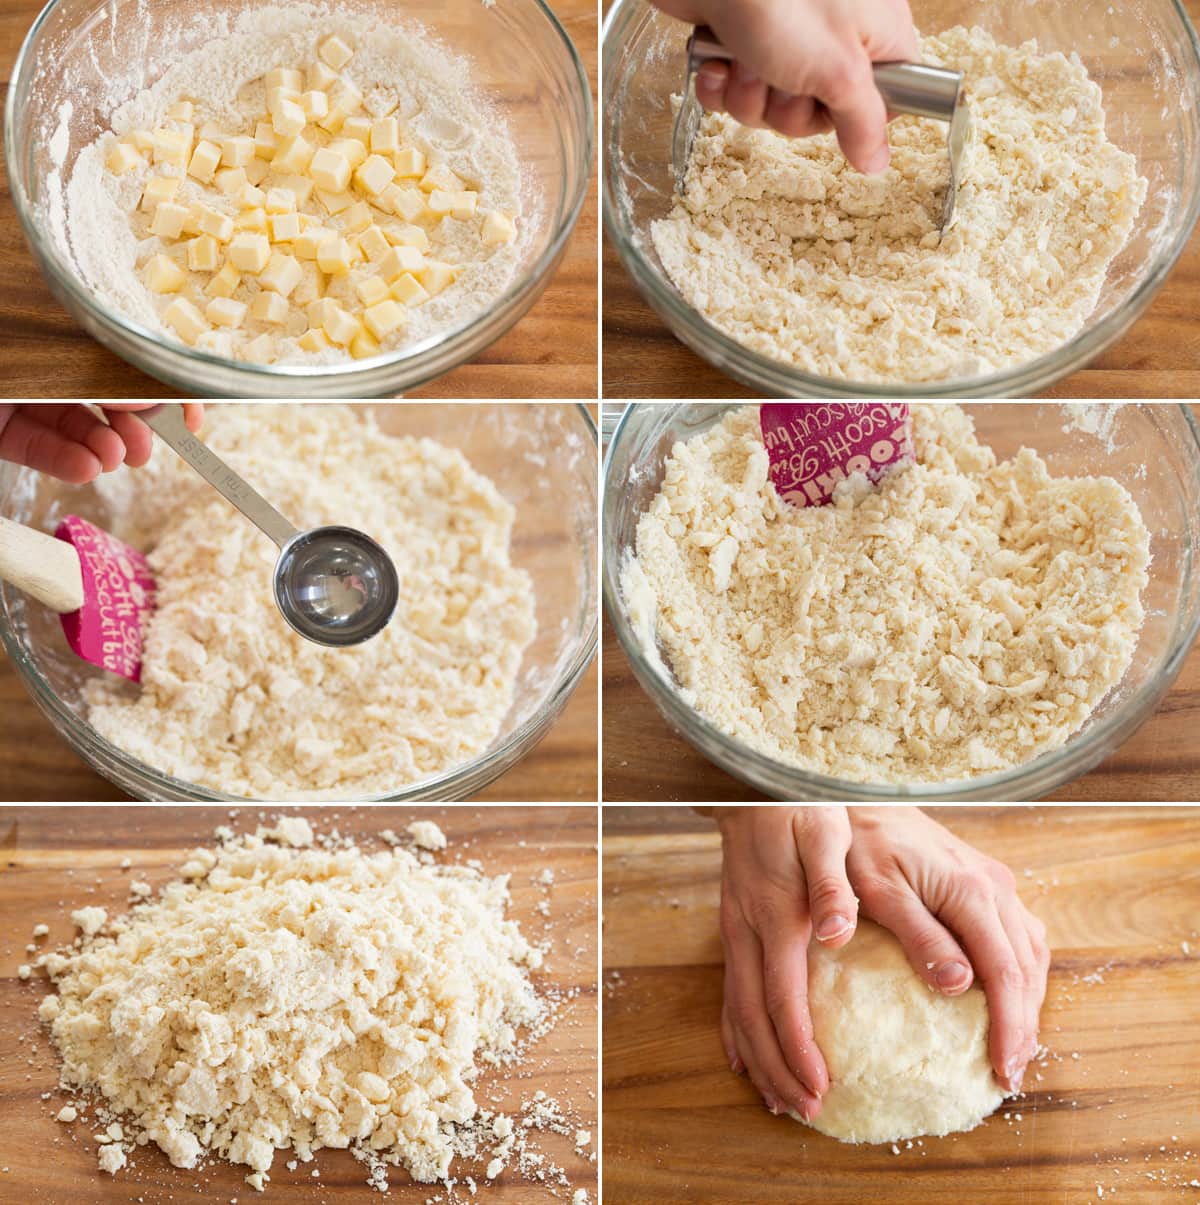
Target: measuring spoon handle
{"points": [[167, 422]]}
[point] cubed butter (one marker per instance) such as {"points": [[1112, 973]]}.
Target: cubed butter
{"points": [[384, 317], [216, 343], [375, 175], [440, 202], [340, 326], [402, 235], [406, 202], [164, 275], [250, 252], [320, 75], [356, 219], [410, 163], [385, 136], [219, 225], [185, 320], [358, 128], [371, 290], [308, 242], [315, 104], [257, 171], [293, 154], [238, 151], [224, 311], [408, 290], [285, 227], [333, 256], [265, 141], [259, 351], [440, 176], [252, 221], [399, 260], [284, 77], [231, 180], [364, 345], [204, 162], [203, 254], [225, 282], [168, 220], [497, 228], [345, 97], [182, 110], [288, 118], [373, 243], [171, 147], [317, 311], [463, 204], [282, 274], [123, 158], [252, 197], [158, 190], [270, 307], [353, 151], [436, 276], [211, 132], [143, 140], [280, 200], [315, 340], [330, 170], [335, 202], [334, 52]]}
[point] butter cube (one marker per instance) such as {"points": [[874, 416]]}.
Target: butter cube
{"points": [[216, 343], [158, 190], [225, 282], [441, 177], [311, 286], [333, 256], [285, 227], [330, 170], [314, 341], [321, 76], [270, 307], [356, 219], [436, 277], [317, 311], [409, 290], [308, 242], [375, 175], [334, 52], [340, 326], [294, 155], [182, 110], [385, 136], [364, 346], [219, 225], [288, 118], [277, 95], [373, 243], [143, 140], [171, 147], [187, 132], [284, 77], [164, 275], [497, 228], [462, 204], [399, 260], [250, 252], [169, 219], [260, 350], [351, 149], [281, 200], [407, 203], [204, 162], [440, 202], [282, 274], [257, 171], [333, 121], [252, 221], [231, 181], [123, 158], [335, 202], [237, 152], [401, 235], [191, 223], [358, 128], [265, 141], [211, 132], [252, 197], [203, 254], [410, 162], [315, 104], [224, 311], [371, 290], [345, 97], [384, 318], [187, 321]]}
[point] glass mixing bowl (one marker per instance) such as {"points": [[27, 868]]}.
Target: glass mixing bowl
{"points": [[542, 458], [1153, 449], [1145, 56], [520, 58]]}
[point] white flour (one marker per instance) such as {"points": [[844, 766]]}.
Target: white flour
{"points": [[788, 250], [397, 62]]}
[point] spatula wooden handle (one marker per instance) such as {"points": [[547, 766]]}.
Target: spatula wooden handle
{"points": [[41, 566]]}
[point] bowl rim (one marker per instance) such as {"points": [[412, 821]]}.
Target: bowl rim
{"points": [[750, 766], [69, 724], [761, 372], [508, 308]]}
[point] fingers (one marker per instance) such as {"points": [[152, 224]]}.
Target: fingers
{"points": [[847, 89], [796, 116], [137, 438], [822, 842], [930, 947], [46, 450], [1027, 936], [729, 1042], [753, 1031], [746, 97]]}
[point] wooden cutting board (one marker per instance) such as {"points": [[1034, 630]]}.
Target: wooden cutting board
{"points": [[58, 859], [1117, 1106]]}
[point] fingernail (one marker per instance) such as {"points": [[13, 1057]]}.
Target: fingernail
{"points": [[712, 73], [952, 976], [878, 160], [743, 74], [736, 1065], [771, 1104], [832, 927], [1014, 1082]]}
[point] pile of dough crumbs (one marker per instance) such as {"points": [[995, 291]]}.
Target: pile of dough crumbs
{"points": [[290, 991], [231, 697], [960, 619]]}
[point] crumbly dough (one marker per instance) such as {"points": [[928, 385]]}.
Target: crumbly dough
{"points": [[962, 618], [290, 996], [233, 699], [903, 1059], [787, 249]]}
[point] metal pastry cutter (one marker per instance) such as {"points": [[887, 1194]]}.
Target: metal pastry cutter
{"points": [[915, 88]]}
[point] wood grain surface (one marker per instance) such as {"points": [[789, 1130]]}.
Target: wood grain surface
{"points": [[57, 859], [643, 759], [1159, 356], [551, 352], [1117, 1104]]}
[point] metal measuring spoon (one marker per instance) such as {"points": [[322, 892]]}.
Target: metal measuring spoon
{"points": [[914, 88], [334, 585]]}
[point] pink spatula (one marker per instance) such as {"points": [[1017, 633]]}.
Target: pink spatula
{"points": [[812, 446], [102, 588]]}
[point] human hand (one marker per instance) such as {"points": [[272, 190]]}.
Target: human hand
{"points": [[953, 908], [68, 441], [804, 66], [783, 880]]}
